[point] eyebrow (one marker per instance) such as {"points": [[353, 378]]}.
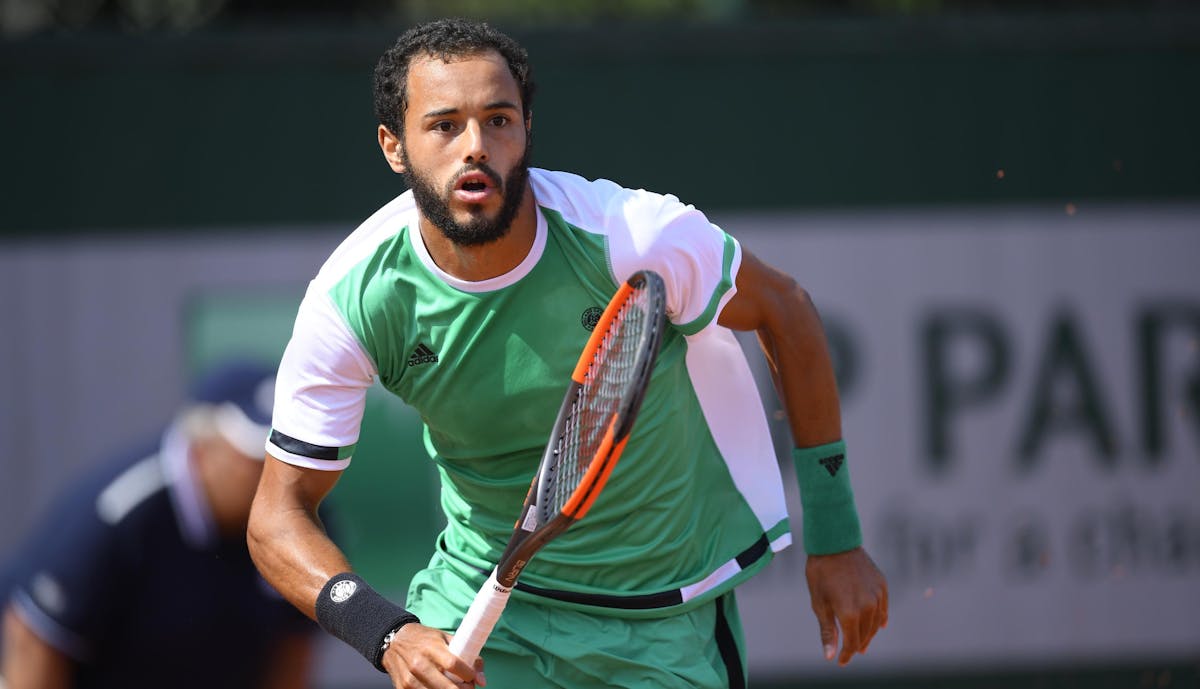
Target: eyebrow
{"points": [[496, 105]]}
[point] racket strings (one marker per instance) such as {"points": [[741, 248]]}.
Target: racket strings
{"points": [[612, 370]]}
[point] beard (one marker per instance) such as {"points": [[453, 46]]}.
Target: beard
{"points": [[480, 229]]}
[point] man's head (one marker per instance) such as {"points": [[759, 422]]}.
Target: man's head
{"points": [[454, 104], [226, 422], [447, 40]]}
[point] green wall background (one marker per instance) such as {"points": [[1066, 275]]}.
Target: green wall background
{"points": [[274, 125]]}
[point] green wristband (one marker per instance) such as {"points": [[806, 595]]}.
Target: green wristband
{"points": [[826, 499]]}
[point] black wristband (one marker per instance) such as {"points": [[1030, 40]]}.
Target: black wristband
{"points": [[351, 610]]}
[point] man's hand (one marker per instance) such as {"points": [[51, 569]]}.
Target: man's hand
{"points": [[849, 591], [420, 657]]}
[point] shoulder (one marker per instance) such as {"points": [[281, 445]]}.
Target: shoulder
{"points": [[382, 230], [360, 279], [645, 230], [602, 204]]}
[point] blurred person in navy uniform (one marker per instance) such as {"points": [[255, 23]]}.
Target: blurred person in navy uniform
{"points": [[139, 576]]}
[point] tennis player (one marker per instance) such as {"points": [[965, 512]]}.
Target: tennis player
{"points": [[470, 297]]}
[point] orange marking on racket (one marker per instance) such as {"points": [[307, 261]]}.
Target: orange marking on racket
{"points": [[593, 343], [596, 476]]}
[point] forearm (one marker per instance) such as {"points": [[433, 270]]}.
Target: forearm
{"points": [[796, 351], [294, 554], [806, 382], [291, 549], [286, 539]]}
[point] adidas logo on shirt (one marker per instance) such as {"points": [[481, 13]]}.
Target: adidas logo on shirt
{"points": [[422, 355]]}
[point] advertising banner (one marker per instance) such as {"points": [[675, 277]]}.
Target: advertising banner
{"points": [[1021, 402]]}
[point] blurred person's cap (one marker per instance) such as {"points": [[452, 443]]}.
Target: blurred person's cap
{"points": [[242, 393]]}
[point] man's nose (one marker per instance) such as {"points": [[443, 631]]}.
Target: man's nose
{"points": [[474, 146]]}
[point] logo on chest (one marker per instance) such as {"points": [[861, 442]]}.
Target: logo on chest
{"points": [[590, 316], [422, 355]]}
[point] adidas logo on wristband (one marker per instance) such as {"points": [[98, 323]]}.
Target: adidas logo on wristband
{"points": [[832, 463]]}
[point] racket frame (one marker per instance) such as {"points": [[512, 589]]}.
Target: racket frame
{"points": [[534, 528]]}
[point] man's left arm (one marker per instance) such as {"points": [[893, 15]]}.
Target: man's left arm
{"points": [[846, 588]]}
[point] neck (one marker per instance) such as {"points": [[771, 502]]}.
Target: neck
{"points": [[485, 261]]}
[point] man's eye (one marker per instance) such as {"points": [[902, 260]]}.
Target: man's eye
{"points": [[444, 126], [499, 120]]}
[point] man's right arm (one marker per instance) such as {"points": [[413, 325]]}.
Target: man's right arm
{"points": [[286, 538], [289, 545]]}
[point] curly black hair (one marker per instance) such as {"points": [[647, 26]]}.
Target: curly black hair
{"points": [[444, 39]]}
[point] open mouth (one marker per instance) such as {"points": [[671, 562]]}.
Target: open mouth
{"points": [[476, 182]]}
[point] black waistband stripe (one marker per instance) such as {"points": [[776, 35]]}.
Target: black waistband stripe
{"points": [[645, 601], [751, 555]]}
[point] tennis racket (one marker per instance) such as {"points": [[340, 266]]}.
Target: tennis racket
{"points": [[589, 434]]}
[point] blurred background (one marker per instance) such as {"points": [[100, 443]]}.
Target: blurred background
{"points": [[995, 205]]}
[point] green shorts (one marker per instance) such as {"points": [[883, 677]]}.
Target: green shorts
{"points": [[535, 645]]}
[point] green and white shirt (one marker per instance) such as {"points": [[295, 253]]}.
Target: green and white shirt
{"points": [[695, 504]]}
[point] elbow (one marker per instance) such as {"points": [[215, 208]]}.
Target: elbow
{"points": [[799, 297], [259, 532], [790, 293], [791, 304]]}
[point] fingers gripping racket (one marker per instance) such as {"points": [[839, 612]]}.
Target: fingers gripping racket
{"points": [[589, 434]]}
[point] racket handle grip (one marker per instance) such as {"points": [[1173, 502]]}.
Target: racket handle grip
{"points": [[481, 617]]}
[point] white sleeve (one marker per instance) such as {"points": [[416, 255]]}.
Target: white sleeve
{"points": [[697, 260], [321, 389]]}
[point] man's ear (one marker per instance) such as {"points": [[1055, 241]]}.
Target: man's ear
{"points": [[389, 143]]}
